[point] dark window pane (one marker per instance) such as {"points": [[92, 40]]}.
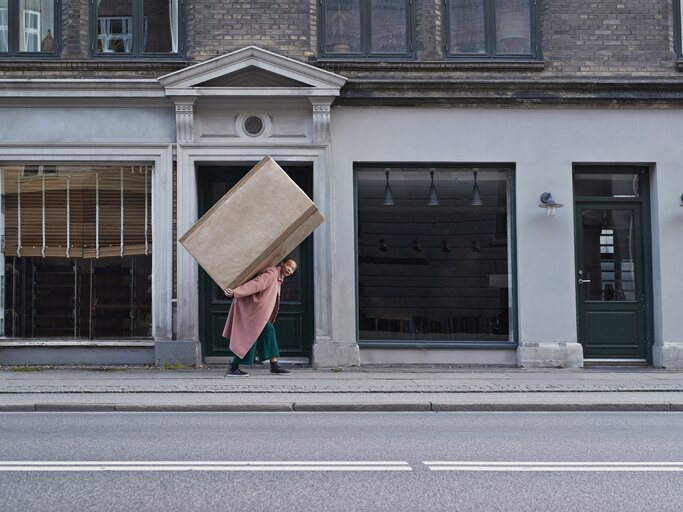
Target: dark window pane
{"points": [[467, 26], [608, 249], [160, 26], [513, 27], [36, 26], [114, 26], [433, 261], [388, 26], [342, 26], [607, 185], [78, 298]]}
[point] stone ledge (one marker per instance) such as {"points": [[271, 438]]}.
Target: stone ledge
{"points": [[341, 65]]}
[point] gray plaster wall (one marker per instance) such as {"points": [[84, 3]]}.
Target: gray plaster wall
{"points": [[543, 144], [68, 125]]}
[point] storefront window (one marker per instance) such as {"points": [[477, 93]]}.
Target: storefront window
{"points": [[433, 253], [78, 251]]}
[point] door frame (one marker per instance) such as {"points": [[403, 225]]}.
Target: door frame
{"points": [[203, 169], [646, 241]]}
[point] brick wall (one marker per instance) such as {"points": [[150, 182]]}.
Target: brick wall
{"points": [[616, 37], [218, 27], [578, 39], [75, 38]]}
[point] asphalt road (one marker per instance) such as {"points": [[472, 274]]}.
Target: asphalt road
{"points": [[341, 461]]}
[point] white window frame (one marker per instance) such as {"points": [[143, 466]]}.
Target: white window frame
{"points": [[30, 31], [4, 28], [106, 36]]}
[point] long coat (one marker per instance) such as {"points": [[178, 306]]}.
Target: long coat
{"points": [[253, 304]]}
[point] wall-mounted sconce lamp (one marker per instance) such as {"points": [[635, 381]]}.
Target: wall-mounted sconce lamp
{"points": [[476, 195], [549, 203], [388, 196], [433, 198]]}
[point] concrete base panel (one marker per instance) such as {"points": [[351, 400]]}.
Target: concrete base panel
{"points": [[550, 355], [328, 354], [465, 357], [183, 352], [75, 355], [668, 355]]}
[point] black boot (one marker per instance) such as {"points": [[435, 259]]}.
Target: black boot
{"points": [[276, 368], [234, 371]]}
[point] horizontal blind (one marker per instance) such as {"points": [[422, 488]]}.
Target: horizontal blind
{"points": [[78, 211]]}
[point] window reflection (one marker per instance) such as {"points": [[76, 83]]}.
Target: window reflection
{"points": [[434, 265], [608, 249], [625, 185]]}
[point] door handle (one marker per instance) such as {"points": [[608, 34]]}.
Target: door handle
{"points": [[581, 281]]}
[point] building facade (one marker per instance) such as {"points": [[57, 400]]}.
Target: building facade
{"points": [[428, 134]]}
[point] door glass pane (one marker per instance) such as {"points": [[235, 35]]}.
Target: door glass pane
{"points": [[388, 26], [342, 26], [37, 26], [607, 184], [291, 286], [160, 26], [513, 27], [114, 26], [433, 261], [467, 27], [608, 255]]}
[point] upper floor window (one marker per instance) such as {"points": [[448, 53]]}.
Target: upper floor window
{"points": [[366, 28], [678, 9], [491, 28], [137, 27], [27, 27]]}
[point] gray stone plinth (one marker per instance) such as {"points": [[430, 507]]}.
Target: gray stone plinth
{"points": [[329, 354], [668, 355], [550, 355], [184, 352]]}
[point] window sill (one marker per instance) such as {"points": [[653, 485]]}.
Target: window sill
{"points": [[164, 65], [437, 344], [446, 65]]}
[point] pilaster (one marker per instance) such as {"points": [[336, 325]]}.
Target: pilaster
{"points": [[184, 119]]}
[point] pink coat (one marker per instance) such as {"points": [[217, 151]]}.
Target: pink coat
{"points": [[254, 304]]}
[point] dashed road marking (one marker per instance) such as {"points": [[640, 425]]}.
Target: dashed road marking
{"points": [[512, 466], [28, 466]]}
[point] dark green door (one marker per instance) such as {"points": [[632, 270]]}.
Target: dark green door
{"points": [[611, 280], [294, 324]]}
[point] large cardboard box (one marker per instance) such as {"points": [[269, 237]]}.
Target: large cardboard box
{"points": [[256, 224]]}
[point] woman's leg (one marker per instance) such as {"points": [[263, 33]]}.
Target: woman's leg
{"points": [[248, 359], [267, 348], [267, 343]]}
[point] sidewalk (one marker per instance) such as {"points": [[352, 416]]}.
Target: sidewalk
{"points": [[366, 389]]}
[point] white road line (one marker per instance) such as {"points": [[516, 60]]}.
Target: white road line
{"points": [[26, 466], [516, 466], [556, 463]]}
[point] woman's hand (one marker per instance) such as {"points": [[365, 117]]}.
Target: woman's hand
{"points": [[229, 292]]}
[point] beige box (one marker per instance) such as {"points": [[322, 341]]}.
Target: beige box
{"points": [[256, 224]]}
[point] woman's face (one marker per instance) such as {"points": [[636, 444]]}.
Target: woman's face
{"points": [[288, 268]]}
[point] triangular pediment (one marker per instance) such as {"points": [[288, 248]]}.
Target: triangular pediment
{"points": [[252, 77], [252, 71]]}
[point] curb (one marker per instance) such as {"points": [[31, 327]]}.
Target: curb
{"points": [[350, 407]]}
